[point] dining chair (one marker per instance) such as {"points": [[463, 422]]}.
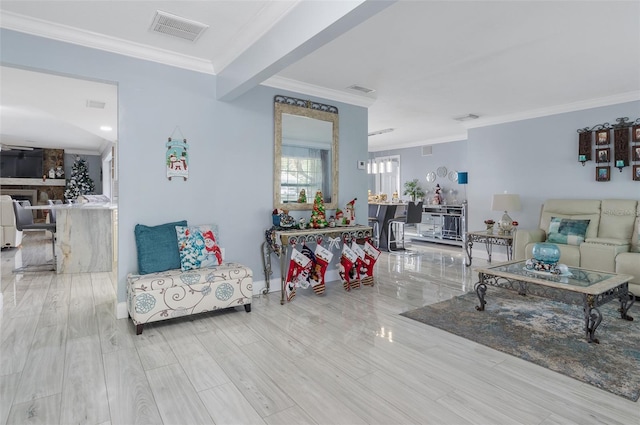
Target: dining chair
{"points": [[24, 222]]}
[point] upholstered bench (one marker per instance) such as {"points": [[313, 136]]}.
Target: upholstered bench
{"points": [[181, 271], [176, 293]]}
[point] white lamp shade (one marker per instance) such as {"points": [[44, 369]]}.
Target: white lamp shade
{"points": [[506, 202]]}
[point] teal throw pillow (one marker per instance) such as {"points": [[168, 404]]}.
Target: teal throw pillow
{"points": [[198, 246], [157, 247], [567, 231]]}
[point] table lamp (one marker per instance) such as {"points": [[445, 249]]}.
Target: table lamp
{"points": [[505, 202], [463, 179]]}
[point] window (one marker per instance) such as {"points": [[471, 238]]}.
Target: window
{"points": [[386, 172], [304, 168]]}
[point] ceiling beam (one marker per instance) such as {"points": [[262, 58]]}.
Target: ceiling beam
{"points": [[309, 26]]}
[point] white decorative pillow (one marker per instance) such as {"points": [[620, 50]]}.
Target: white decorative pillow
{"points": [[198, 246]]}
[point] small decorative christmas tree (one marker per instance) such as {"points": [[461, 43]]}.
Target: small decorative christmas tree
{"points": [[318, 217], [80, 183]]}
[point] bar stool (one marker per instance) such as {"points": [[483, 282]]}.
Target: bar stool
{"points": [[24, 221], [395, 232], [374, 223]]}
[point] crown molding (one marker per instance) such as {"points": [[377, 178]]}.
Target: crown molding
{"points": [[41, 28], [313, 90], [433, 141], [554, 110]]}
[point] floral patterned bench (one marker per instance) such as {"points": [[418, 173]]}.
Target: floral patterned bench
{"points": [[176, 293]]}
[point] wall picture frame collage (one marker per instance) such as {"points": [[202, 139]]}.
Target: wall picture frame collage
{"points": [[614, 145]]}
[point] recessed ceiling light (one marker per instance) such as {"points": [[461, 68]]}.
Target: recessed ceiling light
{"points": [[386, 130], [105, 128], [467, 117]]}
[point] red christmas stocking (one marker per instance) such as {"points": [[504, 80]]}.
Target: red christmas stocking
{"points": [[371, 254], [297, 271], [323, 258], [358, 265], [306, 251], [347, 261]]}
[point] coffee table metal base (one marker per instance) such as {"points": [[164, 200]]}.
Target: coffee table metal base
{"points": [[590, 302]]}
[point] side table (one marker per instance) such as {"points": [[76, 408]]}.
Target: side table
{"points": [[489, 240]]}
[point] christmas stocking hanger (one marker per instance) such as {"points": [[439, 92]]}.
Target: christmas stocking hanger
{"points": [[298, 270], [323, 258], [347, 261]]}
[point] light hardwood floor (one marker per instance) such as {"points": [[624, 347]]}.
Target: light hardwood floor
{"points": [[342, 358]]}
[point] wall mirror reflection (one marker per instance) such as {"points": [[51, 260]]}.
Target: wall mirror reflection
{"points": [[306, 154]]}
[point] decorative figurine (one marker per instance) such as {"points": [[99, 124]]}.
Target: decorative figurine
{"points": [[350, 215], [302, 198], [437, 197]]}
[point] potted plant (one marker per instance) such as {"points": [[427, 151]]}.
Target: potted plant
{"points": [[413, 189]]}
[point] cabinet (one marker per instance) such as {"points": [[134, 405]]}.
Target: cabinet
{"points": [[445, 224]]}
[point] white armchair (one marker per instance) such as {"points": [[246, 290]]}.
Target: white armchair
{"points": [[10, 236]]}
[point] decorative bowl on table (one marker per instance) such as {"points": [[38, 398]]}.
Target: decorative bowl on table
{"points": [[547, 253]]}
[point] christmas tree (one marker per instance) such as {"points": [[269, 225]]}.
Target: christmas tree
{"points": [[318, 217], [80, 183]]}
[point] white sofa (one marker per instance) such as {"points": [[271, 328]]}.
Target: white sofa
{"points": [[610, 243], [10, 236]]}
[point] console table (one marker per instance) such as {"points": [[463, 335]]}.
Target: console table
{"points": [[489, 240], [280, 241]]}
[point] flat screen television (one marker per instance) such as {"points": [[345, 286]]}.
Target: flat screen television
{"points": [[21, 163]]}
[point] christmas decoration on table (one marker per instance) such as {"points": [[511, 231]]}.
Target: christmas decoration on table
{"points": [[302, 224], [358, 266], [332, 221], [79, 183], [271, 239], [298, 272], [350, 213], [339, 217], [345, 268], [437, 197], [323, 258], [371, 254], [318, 217], [302, 198], [177, 159], [281, 218]]}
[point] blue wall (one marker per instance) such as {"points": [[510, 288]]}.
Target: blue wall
{"points": [[231, 147], [536, 158]]}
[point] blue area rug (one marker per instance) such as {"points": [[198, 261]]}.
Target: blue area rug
{"points": [[547, 333]]}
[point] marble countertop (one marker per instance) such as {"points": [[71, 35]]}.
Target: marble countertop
{"points": [[88, 206]]}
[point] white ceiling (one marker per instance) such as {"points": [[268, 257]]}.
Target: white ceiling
{"points": [[428, 61]]}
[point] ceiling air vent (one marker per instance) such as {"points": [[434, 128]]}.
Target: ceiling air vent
{"points": [[360, 88], [95, 104], [173, 25]]}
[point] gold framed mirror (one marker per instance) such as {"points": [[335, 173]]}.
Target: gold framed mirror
{"points": [[305, 154]]}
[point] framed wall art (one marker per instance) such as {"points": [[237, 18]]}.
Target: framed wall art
{"points": [[636, 153], [602, 137], [603, 155], [636, 173], [603, 173], [635, 133]]}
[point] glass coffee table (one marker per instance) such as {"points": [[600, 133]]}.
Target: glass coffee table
{"points": [[588, 288]]}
